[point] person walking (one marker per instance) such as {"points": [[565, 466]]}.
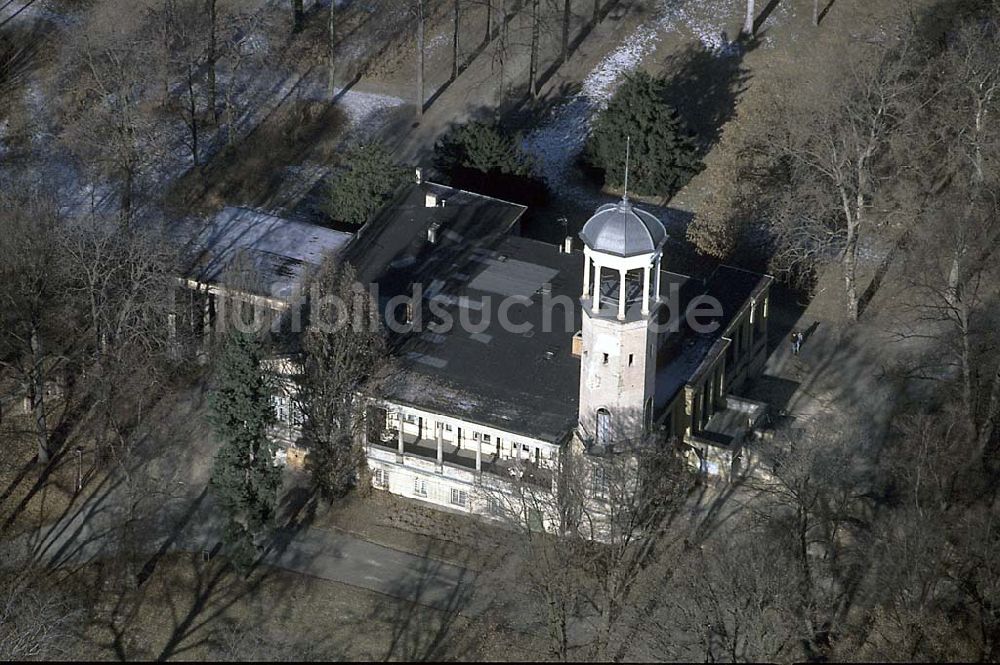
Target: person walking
{"points": [[796, 342]]}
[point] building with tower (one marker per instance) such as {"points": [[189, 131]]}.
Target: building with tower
{"points": [[549, 348]]}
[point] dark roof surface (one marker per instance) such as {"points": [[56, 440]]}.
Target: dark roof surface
{"points": [[523, 380]]}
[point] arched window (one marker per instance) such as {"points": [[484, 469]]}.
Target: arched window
{"points": [[603, 427]]}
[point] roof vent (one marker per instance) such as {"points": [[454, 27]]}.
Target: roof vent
{"points": [[432, 232], [567, 247], [418, 175], [502, 258], [432, 200]]}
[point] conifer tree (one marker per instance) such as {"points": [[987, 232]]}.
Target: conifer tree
{"points": [[367, 180], [664, 155], [244, 478]]}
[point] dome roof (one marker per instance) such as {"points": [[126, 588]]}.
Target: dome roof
{"points": [[623, 230]]}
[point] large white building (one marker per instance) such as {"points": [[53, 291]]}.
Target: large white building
{"points": [[596, 348]]}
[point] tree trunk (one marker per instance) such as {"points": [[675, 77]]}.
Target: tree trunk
{"points": [[127, 193], [533, 65], [36, 397], [298, 14], [567, 10], [850, 264], [192, 113], [749, 20], [213, 58], [420, 58], [331, 34], [454, 41], [489, 22]]}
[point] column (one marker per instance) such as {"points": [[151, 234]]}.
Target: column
{"points": [[656, 290], [645, 289], [399, 449], [586, 274], [621, 295], [438, 427], [597, 287], [479, 455]]}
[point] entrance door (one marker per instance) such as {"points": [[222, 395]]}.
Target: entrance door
{"points": [[603, 427]]}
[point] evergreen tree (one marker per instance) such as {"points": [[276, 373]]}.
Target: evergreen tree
{"points": [[244, 477], [484, 147], [664, 155], [486, 158], [367, 180]]}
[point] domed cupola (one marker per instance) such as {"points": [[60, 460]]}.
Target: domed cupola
{"points": [[621, 229]]}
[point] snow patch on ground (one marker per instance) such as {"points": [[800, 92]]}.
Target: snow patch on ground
{"points": [[557, 142], [366, 110]]}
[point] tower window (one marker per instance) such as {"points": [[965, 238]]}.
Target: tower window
{"points": [[605, 359]]}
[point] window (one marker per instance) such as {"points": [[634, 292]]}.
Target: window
{"points": [[380, 478], [475, 435], [410, 418], [630, 360], [447, 427], [280, 403], [600, 481], [459, 497], [419, 486], [494, 506], [487, 438], [605, 359]]}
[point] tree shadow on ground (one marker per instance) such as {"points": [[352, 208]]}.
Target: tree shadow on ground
{"points": [[425, 626], [704, 85]]}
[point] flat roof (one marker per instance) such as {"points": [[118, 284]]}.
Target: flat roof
{"points": [[521, 379]]}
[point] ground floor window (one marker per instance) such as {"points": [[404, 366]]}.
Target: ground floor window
{"points": [[419, 486], [381, 478], [494, 506], [459, 497]]}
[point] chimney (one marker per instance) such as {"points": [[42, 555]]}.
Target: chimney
{"points": [[568, 245], [431, 200], [432, 233], [419, 175]]}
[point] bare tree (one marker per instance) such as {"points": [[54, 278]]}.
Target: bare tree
{"points": [[728, 600], [107, 74], [35, 622], [343, 359], [832, 164], [592, 534], [37, 309]]}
